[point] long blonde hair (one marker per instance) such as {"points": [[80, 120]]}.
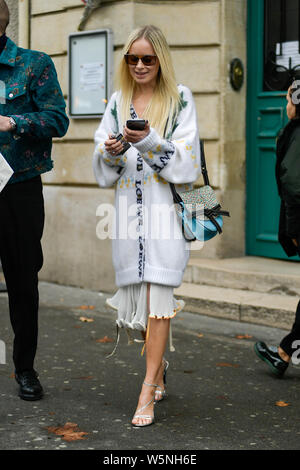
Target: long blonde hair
{"points": [[165, 101]]}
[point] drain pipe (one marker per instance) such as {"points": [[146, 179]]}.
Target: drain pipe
{"points": [[24, 24]]}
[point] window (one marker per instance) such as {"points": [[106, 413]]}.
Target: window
{"points": [[281, 44]]}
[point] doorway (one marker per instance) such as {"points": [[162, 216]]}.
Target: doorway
{"points": [[273, 56]]}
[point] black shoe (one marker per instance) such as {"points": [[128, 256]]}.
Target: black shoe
{"points": [[271, 357], [30, 387]]}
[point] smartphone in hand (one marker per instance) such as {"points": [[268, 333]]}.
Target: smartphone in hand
{"points": [[136, 124]]}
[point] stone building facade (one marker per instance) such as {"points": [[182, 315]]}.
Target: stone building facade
{"points": [[204, 37], [12, 29]]}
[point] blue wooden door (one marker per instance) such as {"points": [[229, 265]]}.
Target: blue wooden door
{"points": [[273, 34]]}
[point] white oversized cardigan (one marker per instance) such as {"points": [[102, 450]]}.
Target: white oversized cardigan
{"points": [[141, 177]]}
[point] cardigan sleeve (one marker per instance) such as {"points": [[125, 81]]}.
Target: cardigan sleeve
{"points": [[176, 160], [107, 168]]}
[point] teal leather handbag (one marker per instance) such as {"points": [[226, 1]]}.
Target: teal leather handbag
{"points": [[199, 210]]}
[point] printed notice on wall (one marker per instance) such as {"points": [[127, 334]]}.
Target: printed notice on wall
{"points": [[5, 172], [289, 55], [92, 76], [90, 73]]}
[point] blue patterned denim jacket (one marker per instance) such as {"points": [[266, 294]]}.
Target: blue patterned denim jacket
{"points": [[31, 95]]}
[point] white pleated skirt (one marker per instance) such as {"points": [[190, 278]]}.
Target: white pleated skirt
{"points": [[131, 305]]}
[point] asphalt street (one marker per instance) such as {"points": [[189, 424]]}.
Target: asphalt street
{"points": [[220, 395]]}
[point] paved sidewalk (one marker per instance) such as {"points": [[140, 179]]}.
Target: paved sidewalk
{"points": [[221, 396]]}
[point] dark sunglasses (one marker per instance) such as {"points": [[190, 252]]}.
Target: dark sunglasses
{"points": [[132, 59]]}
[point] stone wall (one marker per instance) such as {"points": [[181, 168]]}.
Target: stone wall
{"points": [[204, 36], [12, 30], [232, 142]]}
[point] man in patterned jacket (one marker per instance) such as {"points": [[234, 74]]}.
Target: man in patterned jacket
{"points": [[32, 112]]}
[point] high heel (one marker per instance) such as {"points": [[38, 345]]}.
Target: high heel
{"points": [[147, 417], [160, 394], [165, 371]]}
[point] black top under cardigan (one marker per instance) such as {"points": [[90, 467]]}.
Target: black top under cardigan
{"points": [[288, 183]]}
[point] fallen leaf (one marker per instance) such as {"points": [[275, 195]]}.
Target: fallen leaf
{"points": [[105, 339], [69, 432], [226, 364], [282, 403], [200, 335], [87, 307], [85, 319], [243, 336]]}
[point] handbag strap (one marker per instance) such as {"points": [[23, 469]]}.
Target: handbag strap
{"points": [[203, 164], [176, 197]]}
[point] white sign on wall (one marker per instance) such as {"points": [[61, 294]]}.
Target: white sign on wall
{"points": [[287, 54], [90, 72]]}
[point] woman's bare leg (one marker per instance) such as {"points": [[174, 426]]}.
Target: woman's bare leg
{"points": [[156, 344], [155, 347]]}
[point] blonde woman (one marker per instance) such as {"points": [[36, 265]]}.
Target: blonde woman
{"points": [[166, 150]]}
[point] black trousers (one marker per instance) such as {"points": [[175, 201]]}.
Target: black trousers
{"points": [[287, 342], [21, 229]]}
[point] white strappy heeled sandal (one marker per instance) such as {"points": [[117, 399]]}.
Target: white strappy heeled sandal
{"points": [[161, 393], [149, 418]]}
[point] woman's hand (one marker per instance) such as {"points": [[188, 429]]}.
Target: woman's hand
{"points": [[295, 241], [113, 146], [136, 136]]}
